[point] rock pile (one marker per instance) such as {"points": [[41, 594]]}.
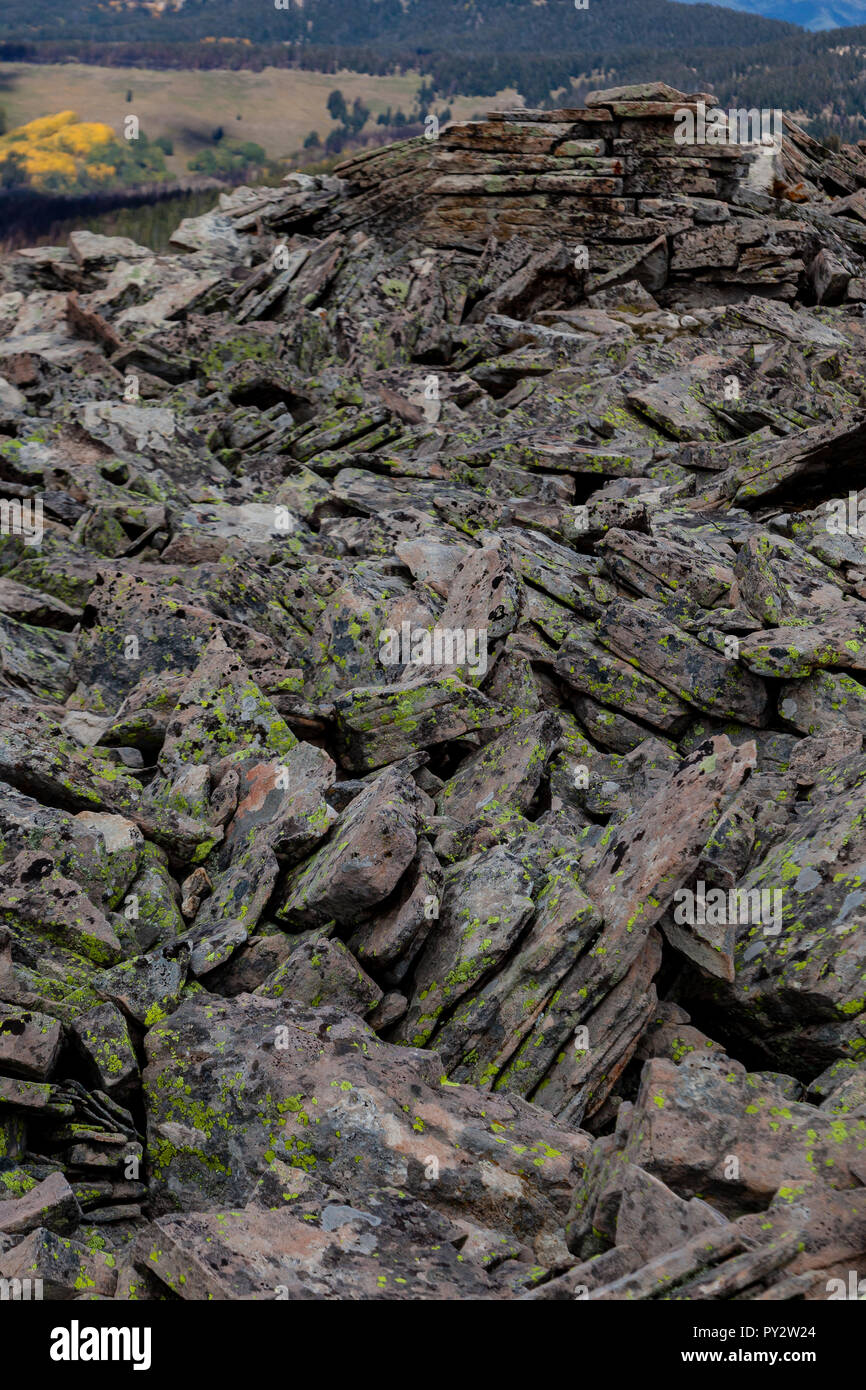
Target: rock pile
{"points": [[432, 618]]}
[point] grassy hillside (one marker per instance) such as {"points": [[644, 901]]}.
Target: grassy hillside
{"points": [[277, 108]]}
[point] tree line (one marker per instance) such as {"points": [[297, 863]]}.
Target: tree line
{"points": [[471, 47]]}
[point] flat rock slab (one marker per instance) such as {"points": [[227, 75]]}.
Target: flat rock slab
{"points": [[281, 1082], [700, 674], [382, 1246]]}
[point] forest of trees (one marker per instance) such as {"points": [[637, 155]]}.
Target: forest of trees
{"points": [[473, 47], [470, 47], [502, 26]]}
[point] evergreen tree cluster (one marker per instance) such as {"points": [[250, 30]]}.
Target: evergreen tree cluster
{"points": [[473, 47]]}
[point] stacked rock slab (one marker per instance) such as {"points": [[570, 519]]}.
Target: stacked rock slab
{"points": [[618, 181]]}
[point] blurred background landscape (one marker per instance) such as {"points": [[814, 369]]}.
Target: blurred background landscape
{"points": [[228, 91]]}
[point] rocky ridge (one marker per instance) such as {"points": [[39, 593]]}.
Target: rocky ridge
{"points": [[409, 587]]}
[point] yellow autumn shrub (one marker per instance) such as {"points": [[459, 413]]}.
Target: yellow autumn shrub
{"points": [[82, 138], [42, 127], [62, 152], [38, 163]]}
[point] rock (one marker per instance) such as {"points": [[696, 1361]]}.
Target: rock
{"points": [[504, 776], [269, 1120], [824, 701], [697, 672], [483, 912], [102, 1038], [153, 904], [736, 1117], [323, 972], [398, 932], [146, 988], [80, 780], [221, 694], [659, 848], [211, 233], [480, 1038], [367, 852], [432, 728], [828, 278], [30, 1043], [51, 1205], [382, 1246], [39, 901], [378, 726], [252, 965], [391, 1007], [90, 249], [797, 651], [65, 1267], [11, 399], [801, 955], [611, 681]]}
